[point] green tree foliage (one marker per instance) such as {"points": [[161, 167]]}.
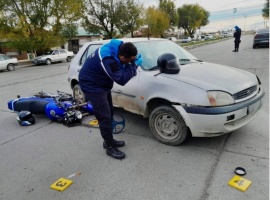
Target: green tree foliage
{"points": [[192, 17], [265, 10], [157, 22], [69, 30], [130, 18], [110, 16], [168, 7], [31, 25]]}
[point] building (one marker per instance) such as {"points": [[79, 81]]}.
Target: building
{"points": [[80, 39]]}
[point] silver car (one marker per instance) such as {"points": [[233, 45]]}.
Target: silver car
{"points": [[7, 63], [202, 100], [52, 56]]}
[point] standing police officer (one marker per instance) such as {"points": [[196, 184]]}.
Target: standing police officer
{"points": [[237, 40], [113, 62]]}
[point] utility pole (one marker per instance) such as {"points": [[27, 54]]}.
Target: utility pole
{"points": [[245, 15], [234, 11]]}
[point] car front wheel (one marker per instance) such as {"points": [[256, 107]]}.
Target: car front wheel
{"points": [[11, 67], [78, 94], [168, 126], [68, 59], [48, 62]]}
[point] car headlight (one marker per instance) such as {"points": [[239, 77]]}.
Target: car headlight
{"points": [[219, 98]]}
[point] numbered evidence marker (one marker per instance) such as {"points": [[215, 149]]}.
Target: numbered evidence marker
{"points": [[94, 123], [61, 184], [239, 183]]}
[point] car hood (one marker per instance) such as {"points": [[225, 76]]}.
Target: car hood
{"points": [[209, 76], [42, 57]]}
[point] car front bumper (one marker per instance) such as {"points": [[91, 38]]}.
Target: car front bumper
{"points": [[39, 62], [215, 121], [261, 42]]}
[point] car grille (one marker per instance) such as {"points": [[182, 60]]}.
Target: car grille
{"points": [[245, 93]]}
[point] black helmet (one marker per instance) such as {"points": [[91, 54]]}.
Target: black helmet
{"points": [[25, 118], [168, 63]]}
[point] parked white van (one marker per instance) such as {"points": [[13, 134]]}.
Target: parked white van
{"points": [[227, 34]]}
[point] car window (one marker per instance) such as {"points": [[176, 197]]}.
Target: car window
{"points": [[90, 51], [62, 51], [151, 50], [49, 52], [4, 57], [264, 30], [56, 52]]}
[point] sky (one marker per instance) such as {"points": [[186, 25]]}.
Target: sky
{"points": [[248, 15]]}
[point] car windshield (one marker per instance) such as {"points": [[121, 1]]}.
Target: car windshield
{"points": [[151, 50], [264, 30], [49, 52], [4, 57]]}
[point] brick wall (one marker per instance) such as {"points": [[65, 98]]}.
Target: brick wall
{"points": [[14, 53]]}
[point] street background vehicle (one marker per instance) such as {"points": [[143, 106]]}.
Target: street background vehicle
{"points": [[34, 157], [7, 63], [261, 38], [52, 56]]}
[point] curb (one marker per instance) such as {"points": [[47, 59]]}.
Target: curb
{"points": [[205, 43], [24, 63]]}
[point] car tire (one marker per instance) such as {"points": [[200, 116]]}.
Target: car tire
{"points": [[254, 46], [168, 126], [11, 67], [78, 94], [48, 61], [68, 59]]}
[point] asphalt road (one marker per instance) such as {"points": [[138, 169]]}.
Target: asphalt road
{"points": [[33, 158]]}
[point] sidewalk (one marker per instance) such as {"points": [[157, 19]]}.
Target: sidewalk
{"points": [[24, 63]]}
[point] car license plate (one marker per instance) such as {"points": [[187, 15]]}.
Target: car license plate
{"points": [[253, 108]]}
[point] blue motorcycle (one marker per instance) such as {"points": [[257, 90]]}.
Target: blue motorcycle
{"points": [[60, 107]]}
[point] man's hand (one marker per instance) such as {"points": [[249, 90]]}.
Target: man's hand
{"points": [[138, 60]]}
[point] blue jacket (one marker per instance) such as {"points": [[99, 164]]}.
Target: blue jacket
{"points": [[101, 70], [237, 34]]}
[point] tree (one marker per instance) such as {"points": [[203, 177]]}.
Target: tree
{"points": [[157, 22], [265, 10], [69, 30], [32, 25], [168, 7], [110, 16], [192, 17], [130, 19]]}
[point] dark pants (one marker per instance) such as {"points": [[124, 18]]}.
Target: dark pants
{"points": [[236, 45], [103, 110]]}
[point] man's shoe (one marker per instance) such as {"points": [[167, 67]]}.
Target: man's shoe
{"points": [[116, 144], [234, 51], [115, 153]]}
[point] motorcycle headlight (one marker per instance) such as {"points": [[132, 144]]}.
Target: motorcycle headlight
{"points": [[219, 98], [78, 114]]}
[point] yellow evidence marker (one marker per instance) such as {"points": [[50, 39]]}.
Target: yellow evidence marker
{"points": [[94, 123], [61, 184], [239, 183]]}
